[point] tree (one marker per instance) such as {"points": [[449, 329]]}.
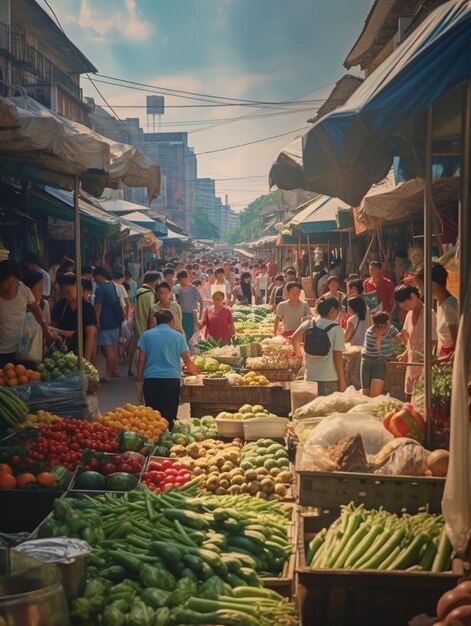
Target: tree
{"points": [[250, 219], [203, 226]]}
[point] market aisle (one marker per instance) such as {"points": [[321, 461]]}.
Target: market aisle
{"points": [[123, 390]]}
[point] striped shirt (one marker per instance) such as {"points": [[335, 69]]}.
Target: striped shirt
{"points": [[370, 348]]}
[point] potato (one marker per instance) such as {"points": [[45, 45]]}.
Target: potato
{"points": [[267, 485], [250, 475], [286, 476], [261, 494], [220, 491], [225, 484], [234, 490], [280, 490], [224, 476]]}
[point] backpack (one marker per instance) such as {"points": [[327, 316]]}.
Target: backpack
{"points": [[316, 340]]}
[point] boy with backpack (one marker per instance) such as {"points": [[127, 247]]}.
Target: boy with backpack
{"points": [[324, 344]]}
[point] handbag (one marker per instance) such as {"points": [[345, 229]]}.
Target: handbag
{"points": [[117, 308], [30, 344]]}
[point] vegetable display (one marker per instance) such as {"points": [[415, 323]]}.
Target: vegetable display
{"points": [[185, 432], [174, 558], [13, 411], [254, 380], [378, 540], [210, 365], [405, 422], [38, 419], [33, 477], [139, 419], [163, 475], [260, 468], [58, 366]]}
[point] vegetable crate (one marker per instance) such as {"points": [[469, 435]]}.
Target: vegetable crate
{"points": [[394, 381], [22, 510], [284, 583], [330, 490], [363, 597]]}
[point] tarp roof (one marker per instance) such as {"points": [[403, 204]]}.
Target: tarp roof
{"points": [[342, 91], [118, 205], [40, 145], [318, 215], [173, 236], [147, 222]]}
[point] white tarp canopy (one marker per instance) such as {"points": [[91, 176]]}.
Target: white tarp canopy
{"points": [[118, 205], [391, 201], [38, 144]]}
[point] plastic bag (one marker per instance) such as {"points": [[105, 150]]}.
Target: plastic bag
{"points": [[340, 425], [65, 397], [30, 344], [337, 402], [377, 406], [302, 392], [316, 459], [402, 457]]}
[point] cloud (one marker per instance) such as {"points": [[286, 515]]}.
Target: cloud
{"points": [[123, 21]]}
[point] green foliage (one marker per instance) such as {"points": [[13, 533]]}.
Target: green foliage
{"points": [[250, 219], [203, 226]]}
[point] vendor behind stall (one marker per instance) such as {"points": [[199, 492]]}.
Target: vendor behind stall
{"points": [[64, 316]]}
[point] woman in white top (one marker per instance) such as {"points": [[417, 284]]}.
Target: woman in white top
{"points": [[15, 299], [166, 304], [357, 323]]}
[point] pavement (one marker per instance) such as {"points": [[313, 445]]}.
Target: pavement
{"points": [[122, 390]]}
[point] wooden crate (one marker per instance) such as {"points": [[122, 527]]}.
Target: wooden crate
{"points": [[213, 400], [330, 490], [363, 598]]}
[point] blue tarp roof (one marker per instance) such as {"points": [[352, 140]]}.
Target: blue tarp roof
{"points": [[351, 148], [318, 215]]}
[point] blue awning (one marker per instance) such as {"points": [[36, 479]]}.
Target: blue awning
{"points": [[353, 147], [136, 217]]}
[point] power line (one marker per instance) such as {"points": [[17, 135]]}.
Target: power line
{"points": [[248, 143]]}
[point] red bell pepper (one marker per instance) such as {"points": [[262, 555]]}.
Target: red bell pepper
{"points": [[407, 422]]}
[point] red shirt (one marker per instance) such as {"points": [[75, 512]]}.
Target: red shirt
{"points": [[217, 325], [384, 289]]}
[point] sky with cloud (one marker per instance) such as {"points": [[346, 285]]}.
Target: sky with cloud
{"points": [[269, 51]]}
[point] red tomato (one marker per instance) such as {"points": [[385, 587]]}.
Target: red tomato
{"points": [[170, 471], [154, 465], [167, 464], [94, 464], [108, 468], [125, 467]]}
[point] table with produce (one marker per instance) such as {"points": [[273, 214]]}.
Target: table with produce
{"points": [[236, 516]]}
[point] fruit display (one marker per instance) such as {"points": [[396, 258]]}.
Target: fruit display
{"points": [[246, 412], [13, 411], [139, 419], [59, 366], [38, 419], [252, 379], [12, 375], [33, 476], [164, 475], [174, 558], [277, 353], [127, 462], [367, 539], [95, 481], [260, 469]]}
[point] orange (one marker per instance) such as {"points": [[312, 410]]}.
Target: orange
{"points": [[20, 369], [11, 373], [5, 469], [29, 373], [7, 481], [23, 380], [8, 366], [24, 479], [35, 376], [12, 382], [46, 479]]}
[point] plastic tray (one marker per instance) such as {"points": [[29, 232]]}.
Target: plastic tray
{"points": [[230, 428], [273, 428]]}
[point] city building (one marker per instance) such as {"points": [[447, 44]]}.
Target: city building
{"points": [[37, 59]]}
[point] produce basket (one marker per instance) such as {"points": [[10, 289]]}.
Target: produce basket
{"points": [[215, 382], [330, 490], [273, 374], [363, 597], [230, 428], [272, 427]]}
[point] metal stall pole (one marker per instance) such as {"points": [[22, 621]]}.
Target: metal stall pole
{"points": [[465, 204], [309, 254], [78, 265], [428, 273]]}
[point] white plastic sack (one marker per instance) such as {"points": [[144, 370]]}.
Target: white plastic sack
{"points": [[340, 425], [370, 404], [316, 459], [30, 344], [337, 402]]}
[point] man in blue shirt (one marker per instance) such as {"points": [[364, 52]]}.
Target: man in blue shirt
{"points": [[108, 324], [161, 351]]}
